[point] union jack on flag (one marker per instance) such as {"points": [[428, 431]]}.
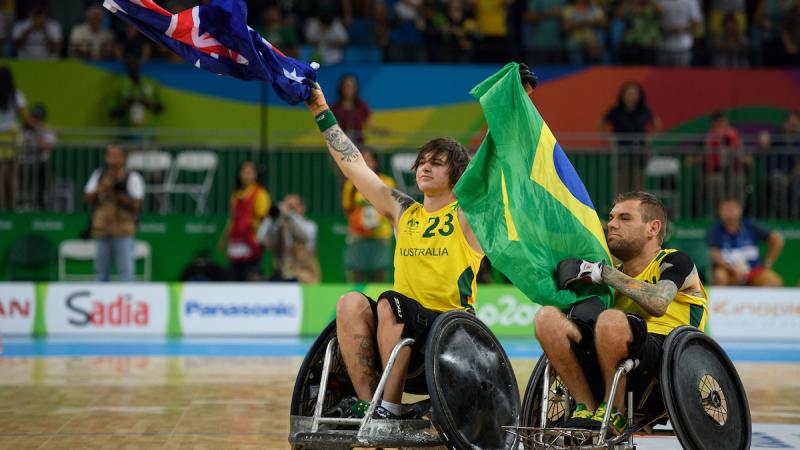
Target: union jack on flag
{"points": [[216, 38]]}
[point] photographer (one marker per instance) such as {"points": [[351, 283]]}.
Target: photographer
{"points": [[117, 198], [292, 238]]}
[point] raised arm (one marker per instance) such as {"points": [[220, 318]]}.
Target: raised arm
{"points": [[389, 202]]}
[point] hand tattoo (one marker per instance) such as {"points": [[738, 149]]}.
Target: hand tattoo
{"points": [[341, 144], [404, 200], [653, 298]]}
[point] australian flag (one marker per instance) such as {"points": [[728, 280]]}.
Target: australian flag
{"points": [[216, 38]]}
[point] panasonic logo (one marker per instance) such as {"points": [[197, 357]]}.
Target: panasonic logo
{"points": [[196, 308]]}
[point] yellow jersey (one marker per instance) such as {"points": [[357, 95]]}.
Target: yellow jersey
{"points": [[363, 219], [685, 309], [433, 262]]}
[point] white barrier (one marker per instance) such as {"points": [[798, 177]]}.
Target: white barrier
{"points": [[755, 313], [17, 308]]}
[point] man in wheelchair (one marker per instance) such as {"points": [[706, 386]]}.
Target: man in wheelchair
{"points": [[436, 260], [657, 290]]}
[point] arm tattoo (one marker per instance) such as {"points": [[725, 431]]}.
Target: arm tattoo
{"points": [[366, 359], [341, 144], [404, 200], [653, 298]]}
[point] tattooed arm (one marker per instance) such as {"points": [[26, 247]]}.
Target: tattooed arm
{"points": [[653, 298], [389, 202]]}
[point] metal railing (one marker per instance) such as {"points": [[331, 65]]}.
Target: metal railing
{"points": [[683, 170]]}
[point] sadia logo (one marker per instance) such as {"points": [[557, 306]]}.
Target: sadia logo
{"points": [[15, 308], [120, 312]]}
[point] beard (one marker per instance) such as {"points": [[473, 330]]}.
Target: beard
{"points": [[626, 249]]}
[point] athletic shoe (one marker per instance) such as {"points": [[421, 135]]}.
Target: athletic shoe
{"points": [[385, 414], [342, 409], [617, 421], [582, 418], [359, 409]]}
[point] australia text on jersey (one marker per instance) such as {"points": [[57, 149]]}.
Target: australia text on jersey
{"points": [[417, 251]]}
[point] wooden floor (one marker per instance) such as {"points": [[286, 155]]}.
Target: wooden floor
{"points": [[215, 403]]}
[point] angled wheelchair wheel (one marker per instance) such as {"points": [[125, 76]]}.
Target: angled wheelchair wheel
{"points": [[559, 403], [472, 386], [307, 383], [703, 394]]}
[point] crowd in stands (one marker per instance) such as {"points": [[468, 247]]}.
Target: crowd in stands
{"points": [[722, 33]]}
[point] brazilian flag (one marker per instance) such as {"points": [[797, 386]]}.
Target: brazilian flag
{"points": [[524, 200]]}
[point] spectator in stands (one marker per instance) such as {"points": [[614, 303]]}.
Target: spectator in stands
{"points": [[116, 195], [352, 112], [329, 35], [734, 249], [783, 168], [90, 40], [641, 34], [13, 112], [250, 203], [719, 10], [455, 34], [630, 119], [678, 19], [491, 16], [133, 46], [38, 141], [790, 35], [731, 48], [583, 21], [768, 20], [37, 37], [6, 22], [543, 38], [137, 102], [406, 43], [292, 238], [368, 256], [280, 34], [725, 162]]}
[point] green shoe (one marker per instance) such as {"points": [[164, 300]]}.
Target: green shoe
{"points": [[359, 409], [581, 418], [617, 421]]}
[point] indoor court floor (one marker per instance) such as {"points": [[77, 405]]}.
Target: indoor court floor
{"points": [[226, 394]]}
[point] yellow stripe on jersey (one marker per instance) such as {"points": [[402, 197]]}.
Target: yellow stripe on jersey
{"points": [[433, 262], [685, 309]]}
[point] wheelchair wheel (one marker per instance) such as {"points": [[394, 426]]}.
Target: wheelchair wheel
{"points": [[472, 386], [703, 394], [559, 406], [307, 384]]}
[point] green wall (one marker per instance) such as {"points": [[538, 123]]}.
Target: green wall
{"points": [[177, 239]]}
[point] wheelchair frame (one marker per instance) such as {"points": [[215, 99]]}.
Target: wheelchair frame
{"points": [[544, 437]]}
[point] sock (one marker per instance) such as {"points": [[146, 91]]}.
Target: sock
{"points": [[393, 408]]}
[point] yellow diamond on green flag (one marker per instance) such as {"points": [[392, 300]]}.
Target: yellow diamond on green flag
{"points": [[527, 206]]}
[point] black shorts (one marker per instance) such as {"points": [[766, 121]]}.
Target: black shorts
{"points": [[416, 320], [646, 347]]}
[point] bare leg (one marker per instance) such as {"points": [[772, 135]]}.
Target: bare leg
{"points": [[555, 333], [767, 278], [612, 336], [355, 330], [723, 277], [389, 334]]}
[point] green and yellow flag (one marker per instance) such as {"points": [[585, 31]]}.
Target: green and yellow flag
{"points": [[524, 200]]}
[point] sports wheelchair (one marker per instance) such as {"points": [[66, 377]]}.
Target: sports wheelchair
{"points": [[472, 387], [698, 391]]}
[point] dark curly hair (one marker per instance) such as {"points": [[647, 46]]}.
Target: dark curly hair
{"points": [[449, 149]]}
